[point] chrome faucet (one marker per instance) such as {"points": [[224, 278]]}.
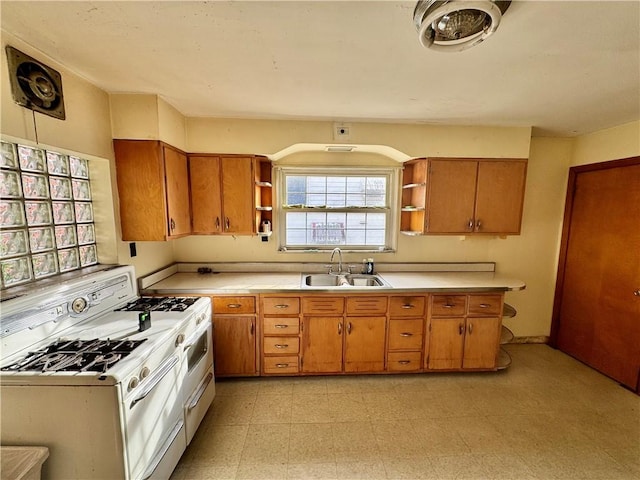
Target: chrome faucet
{"points": [[339, 252]]}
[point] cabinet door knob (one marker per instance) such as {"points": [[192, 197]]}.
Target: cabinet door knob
{"points": [[227, 223], [217, 223], [339, 328], [172, 224], [637, 293], [461, 329], [470, 224], [470, 328], [478, 225], [349, 328]]}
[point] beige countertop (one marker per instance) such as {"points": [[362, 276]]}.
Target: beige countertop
{"points": [[260, 282]]}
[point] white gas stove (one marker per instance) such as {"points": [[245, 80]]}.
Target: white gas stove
{"points": [[88, 359]]}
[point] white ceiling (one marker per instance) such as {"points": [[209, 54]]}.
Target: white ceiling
{"points": [[564, 67]]}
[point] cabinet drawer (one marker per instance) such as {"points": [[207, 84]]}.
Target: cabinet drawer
{"points": [[323, 305], [485, 304], [403, 361], [410, 306], [281, 345], [448, 305], [234, 305], [280, 305], [281, 364], [405, 334], [281, 326], [366, 305]]}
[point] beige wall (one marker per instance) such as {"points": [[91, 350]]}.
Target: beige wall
{"points": [[614, 143]]}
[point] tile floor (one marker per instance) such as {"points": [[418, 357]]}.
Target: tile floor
{"points": [[546, 417]]}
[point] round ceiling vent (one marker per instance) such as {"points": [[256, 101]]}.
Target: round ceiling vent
{"points": [[455, 25]]}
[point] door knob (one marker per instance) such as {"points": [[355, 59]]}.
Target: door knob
{"points": [[637, 293]]}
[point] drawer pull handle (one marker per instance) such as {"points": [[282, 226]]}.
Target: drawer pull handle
{"points": [[406, 334], [408, 305], [282, 305], [282, 345], [461, 329], [404, 362], [484, 305], [349, 328], [339, 328], [234, 305], [282, 365], [280, 325], [470, 328], [448, 305]]}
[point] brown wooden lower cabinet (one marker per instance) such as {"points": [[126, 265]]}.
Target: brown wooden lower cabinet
{"points": [[340, 334], [234, 335]]}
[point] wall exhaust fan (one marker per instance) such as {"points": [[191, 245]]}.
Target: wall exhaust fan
{"points": [[34, 85], [456, 25]]}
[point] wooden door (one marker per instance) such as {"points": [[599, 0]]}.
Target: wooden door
{"points": [[364, 344], [234, 343], [238, 204], [452, 190], [500, 196], [481, 342], [177, 182], [446, 343], [206, 195], [322, 344], [597, 303]]}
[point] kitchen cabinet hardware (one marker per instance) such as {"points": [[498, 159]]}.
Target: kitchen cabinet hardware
{"points": [[279, 325], [281, 305], [227, 224], [637, 293], [339, 328], [281, 345], [404, 362], [406, 334], [172, 224], [408, 306], [470, 328], [484, 305], [282, 365], [251, 329], [461, 329], [217, 224], [349, 328], [234, 305]]}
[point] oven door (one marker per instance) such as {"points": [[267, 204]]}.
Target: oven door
{"points": [[199, 384], [153, 421]]}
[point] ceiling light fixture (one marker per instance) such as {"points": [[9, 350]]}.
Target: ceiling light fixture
{"points": [[456, 25]]}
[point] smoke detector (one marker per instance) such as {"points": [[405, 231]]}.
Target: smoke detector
{"points": [[456, 25]]}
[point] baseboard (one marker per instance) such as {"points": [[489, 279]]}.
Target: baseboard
{"points": [[538, 339]]}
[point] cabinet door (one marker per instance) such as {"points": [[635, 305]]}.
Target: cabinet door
{"points": [[499, 197], [364, 344], [237, 195], [446, 344], [234, 343], [481, 342], [177, 184], [452, 190], [322, 344], [206, 197]]}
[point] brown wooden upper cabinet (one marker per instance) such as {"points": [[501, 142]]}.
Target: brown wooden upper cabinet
{"points": [[223, 194], [153, 189], [463, 196]]}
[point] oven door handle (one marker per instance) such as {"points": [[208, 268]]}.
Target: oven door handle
{"points": [[200, 392], [193, 338], [165, 448], [155, 379]]}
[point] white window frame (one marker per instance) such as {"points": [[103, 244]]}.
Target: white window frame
{"points": [[391, 210]]}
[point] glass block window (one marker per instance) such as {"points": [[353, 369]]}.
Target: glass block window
{"points": [[46, 216], [349, 208]]}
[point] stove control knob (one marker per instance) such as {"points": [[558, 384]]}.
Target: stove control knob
{"points": [[79, 305], [200, 319], [144, 373], [179, 339], [133, 383]]}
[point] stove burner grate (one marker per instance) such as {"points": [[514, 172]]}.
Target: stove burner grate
{"points": [[159, 304], [76, 356]]}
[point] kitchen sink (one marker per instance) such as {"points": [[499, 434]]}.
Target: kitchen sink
{"points": [[342, 280]]}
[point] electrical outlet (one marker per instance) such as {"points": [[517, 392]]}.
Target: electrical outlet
{"points": [[132, 249], [341, 131]]}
